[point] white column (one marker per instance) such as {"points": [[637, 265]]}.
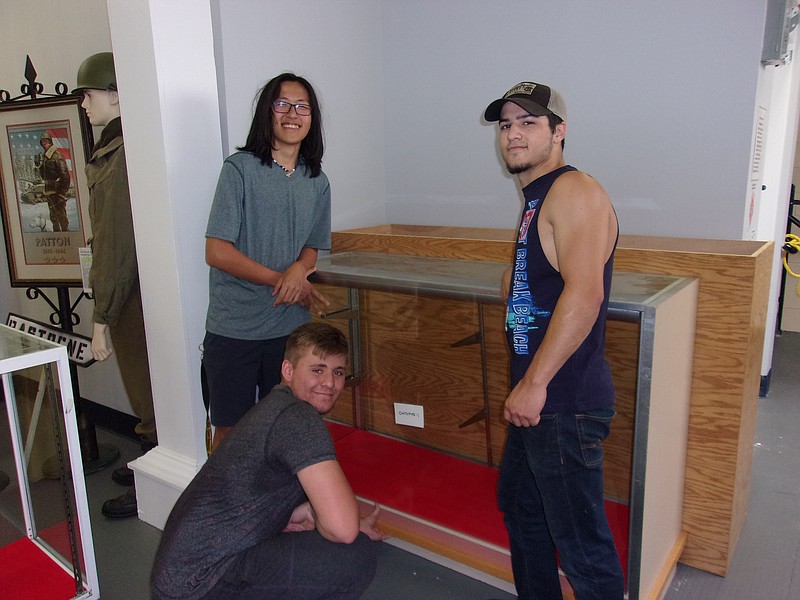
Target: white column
{"points": [[164, 57]]}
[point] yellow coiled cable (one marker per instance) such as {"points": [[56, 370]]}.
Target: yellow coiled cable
{"points": [[792, 246]]}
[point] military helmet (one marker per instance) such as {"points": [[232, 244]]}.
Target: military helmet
{"points": [[97, 73], [45, 136]]}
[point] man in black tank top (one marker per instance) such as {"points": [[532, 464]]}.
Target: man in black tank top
{"points": [[562, 397]]}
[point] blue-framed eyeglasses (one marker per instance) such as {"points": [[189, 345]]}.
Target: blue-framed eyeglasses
{"points": [[282, 106]]}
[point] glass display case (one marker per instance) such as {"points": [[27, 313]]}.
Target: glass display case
{"points": [[430, 333], [46, 548]]}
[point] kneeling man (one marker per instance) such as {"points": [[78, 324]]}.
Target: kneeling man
{"points": [[271, 514]]}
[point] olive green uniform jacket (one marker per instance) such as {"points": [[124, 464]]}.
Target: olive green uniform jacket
{"points": [[114, 274]]}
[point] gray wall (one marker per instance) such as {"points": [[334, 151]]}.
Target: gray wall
{"points": [[661, 98], [337, 47]]}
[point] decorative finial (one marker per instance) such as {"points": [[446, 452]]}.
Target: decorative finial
{"points": [[33, 89]]}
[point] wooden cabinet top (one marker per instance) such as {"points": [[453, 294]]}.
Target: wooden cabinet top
{"points": [[478, 243]]}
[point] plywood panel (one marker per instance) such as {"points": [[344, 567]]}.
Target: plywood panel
{"points": [[622, 349], [497, 358], [415, 240], [726, 375], [666, 439]]}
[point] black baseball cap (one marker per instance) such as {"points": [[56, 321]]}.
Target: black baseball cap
{"points": [[538, 99]]}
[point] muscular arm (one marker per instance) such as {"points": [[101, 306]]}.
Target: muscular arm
{"points": [[332, 500], [578, 230]]}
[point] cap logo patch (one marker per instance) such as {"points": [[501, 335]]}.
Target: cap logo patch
{"points": [[524, 88]]}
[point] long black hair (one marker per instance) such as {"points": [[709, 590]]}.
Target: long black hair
{"points": [[261, 136]]}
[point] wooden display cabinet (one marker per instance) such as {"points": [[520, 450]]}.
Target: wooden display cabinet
{"points": [[732, 302]]}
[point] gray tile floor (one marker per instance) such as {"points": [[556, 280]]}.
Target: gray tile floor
{"points": [[765, 565]]}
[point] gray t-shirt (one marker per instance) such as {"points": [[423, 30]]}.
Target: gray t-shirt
{"points": [[270, 218], [243, 495]]}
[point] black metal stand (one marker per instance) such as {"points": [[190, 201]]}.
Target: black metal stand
{"points": [[790, 220], [95, 456]]}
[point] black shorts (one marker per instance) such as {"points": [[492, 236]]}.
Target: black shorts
{"points": [[238, 373]]}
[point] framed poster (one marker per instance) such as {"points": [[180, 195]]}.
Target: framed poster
{"points": [[43, 193]]}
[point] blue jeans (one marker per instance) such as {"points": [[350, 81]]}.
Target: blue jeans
{"points": [[551, 491]]}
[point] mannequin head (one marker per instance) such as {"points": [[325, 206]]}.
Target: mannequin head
{"points": [[101, 106], [97, 81]]}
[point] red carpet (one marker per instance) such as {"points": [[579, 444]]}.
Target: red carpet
{"points": [[455, 493], [27, 573]]}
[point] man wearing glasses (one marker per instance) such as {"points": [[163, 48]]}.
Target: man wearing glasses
{"points": [[270, 216]]}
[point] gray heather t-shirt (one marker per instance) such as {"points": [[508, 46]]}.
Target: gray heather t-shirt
{"points": [[243, 495], [270, 218]]}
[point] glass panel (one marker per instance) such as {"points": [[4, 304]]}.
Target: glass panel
{"points": [[424, 352], [55, 512], [39, 515]]}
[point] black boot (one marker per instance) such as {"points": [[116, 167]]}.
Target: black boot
{"points": [[124, 475], [122, 506]]}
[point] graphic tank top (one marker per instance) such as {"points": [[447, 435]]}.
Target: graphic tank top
{"points": [[584, 382]]}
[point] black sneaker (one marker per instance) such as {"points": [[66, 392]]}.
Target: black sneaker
{"points": [[121, 507], [123, 476]]}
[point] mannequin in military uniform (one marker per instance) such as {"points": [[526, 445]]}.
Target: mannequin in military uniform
{"points": [[114, 276]]}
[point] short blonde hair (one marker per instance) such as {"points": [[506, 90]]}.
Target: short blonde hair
{"points": [[321, 338]]}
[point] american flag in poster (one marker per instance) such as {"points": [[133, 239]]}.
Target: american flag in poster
{"points": [[61, 141], [24, 140]]}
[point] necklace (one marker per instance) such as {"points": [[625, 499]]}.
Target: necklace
{"points": [[284, 169]]}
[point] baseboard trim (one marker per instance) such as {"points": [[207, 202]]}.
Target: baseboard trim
{"points": [[764, 387]]}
